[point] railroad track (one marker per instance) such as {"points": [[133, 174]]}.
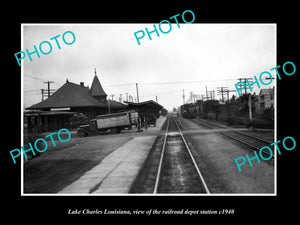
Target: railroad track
{"points": [[177, 171], [246, 139]]}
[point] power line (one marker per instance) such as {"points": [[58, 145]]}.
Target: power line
{"points": [[170, 82], [40, 79], [185, 82], [152, 83], [117, 85], [33, 77], [221, 91], [31, 94], [27, 91], [57, 84]]}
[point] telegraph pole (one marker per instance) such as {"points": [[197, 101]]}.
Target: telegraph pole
{"points": [[43, 94], [228, 93], [250, 109], [221, 91], [48, 82], [137, 92], [183, 96], [108, 104], [240, 85], [249, 79], [130, 98], [211, 93], [47, 92], [245, 82]]}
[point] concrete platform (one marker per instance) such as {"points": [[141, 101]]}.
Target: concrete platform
{"points": [[116, 172]]}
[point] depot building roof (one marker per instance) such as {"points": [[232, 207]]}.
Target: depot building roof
{"points": [[73, 95], [146, 104]]}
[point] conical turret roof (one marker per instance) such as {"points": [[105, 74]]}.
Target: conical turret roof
{"points": [[96, 88]]}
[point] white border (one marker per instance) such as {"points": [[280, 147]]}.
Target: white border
{"points": [[22, 114], [197, 195]]}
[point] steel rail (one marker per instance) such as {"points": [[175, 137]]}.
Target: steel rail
{"points": [[161, 159], [235, 131], [267, 153], [251, 136], [193, 160]]}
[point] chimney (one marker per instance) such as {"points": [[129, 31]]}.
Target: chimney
{"points": [[82, 84]]}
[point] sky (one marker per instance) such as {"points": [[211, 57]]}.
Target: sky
{"points": [[190, 58]]}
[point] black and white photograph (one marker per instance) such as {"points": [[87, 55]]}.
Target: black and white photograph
{"points": [[110, 111], [149, 112]]}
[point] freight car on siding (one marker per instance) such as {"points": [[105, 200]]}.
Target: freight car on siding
{"points": [[189, 111]]}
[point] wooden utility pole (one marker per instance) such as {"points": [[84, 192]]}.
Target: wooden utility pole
{"points": [[250, 108], [191, 97], [130, 98], [221, 91], [48, 82], [47, 92], [250, 111], [137, 92], [245, 82], [228, 94], [108, 104], [211, 94], [249, 79], [42, 90]]}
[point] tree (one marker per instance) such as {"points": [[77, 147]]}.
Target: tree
{"points": [[211, 106], [242, 103]]}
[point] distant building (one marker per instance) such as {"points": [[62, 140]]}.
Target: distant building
{"points": [[55, 112], [266, 98]]}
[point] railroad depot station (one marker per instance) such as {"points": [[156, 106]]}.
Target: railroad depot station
{"points": [[74, 104], [181, 153]]}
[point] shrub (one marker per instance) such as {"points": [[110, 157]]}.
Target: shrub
{"points": [[230, 120], [211, 116]]}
